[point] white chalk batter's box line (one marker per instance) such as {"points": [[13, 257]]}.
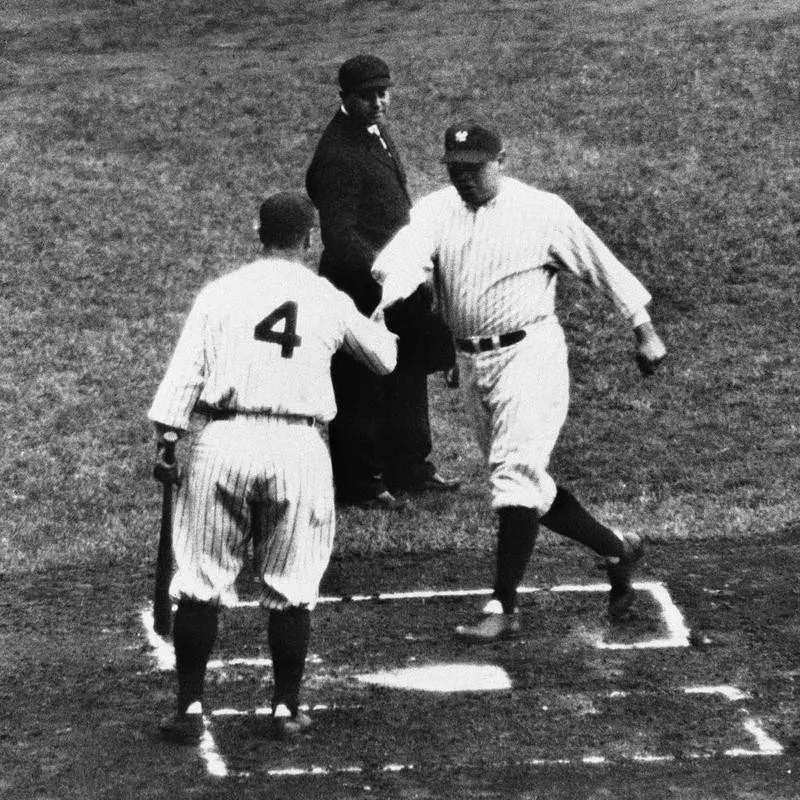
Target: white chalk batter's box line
{"points": [[677, 631], [678, 636], [217, 767]]}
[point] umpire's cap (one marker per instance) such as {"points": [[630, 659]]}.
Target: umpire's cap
{"points": [[470, 143], [364, 72], [285, 218]]}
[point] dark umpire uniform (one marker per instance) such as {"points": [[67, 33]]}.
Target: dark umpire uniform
{"points": [[380, 439]]}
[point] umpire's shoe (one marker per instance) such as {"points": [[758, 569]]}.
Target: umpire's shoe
{"points": [[620, 571], [383, 501], [430, 483], [184, 728], [286, 725], [492, 626]]}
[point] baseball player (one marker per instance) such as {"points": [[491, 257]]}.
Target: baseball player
{"points": [[500, 246], [254, 358]]}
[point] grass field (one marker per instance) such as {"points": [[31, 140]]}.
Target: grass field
{"points": [[139, 137]]}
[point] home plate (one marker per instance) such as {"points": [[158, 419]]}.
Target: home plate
{"points": [[443, 678]]}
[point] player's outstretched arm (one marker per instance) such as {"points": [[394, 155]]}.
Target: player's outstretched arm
{"points": [[406, 262], [650, 350], [369, 342]]}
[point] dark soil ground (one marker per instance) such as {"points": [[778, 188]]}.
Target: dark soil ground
{"points": [[81, 692]]}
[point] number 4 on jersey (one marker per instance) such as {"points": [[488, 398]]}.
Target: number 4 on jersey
{"points": [[287, 338]]}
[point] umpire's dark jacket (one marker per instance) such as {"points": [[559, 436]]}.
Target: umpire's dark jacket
{"points": [[359, 189]]}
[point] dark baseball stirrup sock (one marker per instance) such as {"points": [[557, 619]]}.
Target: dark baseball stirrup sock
{"points": [[288, 634], [194, 633], [567, 517], [516, 537]]}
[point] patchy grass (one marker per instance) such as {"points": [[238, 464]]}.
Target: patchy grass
{"points": [[139, 138]]}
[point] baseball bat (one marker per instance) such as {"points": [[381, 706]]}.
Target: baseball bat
{"points": [[162, 604]]}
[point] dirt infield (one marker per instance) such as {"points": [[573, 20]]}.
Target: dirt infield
{"points": [[573, 708]]}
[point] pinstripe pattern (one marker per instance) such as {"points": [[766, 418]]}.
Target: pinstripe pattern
{"points": [[498, 271], [277, 465], [499, 264], [234, 464], [517, 398], [218, 360]]}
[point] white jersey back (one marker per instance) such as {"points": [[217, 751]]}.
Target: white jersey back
{"points": [[261, 339]]}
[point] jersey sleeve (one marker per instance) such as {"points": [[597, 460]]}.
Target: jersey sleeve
{"points": [[406, 261], [368, 342], [186, 373], [575, 247]]}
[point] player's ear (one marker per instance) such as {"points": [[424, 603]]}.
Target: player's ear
{"points": [[501, 157], [307, 241]]}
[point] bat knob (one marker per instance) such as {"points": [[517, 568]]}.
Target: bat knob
{"points": [[166, 467]]}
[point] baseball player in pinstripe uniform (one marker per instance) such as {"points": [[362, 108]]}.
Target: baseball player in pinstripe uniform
{"points": [[254, 357], [500, 246]]}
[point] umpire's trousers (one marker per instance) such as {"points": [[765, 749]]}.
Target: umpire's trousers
{"points": [[380, 437]]}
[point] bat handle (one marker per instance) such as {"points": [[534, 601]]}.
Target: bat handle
{"points": [[162, 605], [165, 470]]}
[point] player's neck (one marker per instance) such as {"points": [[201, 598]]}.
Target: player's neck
{"points": [[297, 253]]}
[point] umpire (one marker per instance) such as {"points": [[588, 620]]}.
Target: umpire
{"points": [[381, 439]]}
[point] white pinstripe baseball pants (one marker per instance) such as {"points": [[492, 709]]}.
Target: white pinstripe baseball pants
{"points": [[518, 397], [283, 466]]}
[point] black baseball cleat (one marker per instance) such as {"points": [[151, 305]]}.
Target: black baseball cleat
{"points": [[183, 728], [620, 571], [493, 626], [286, 725]]}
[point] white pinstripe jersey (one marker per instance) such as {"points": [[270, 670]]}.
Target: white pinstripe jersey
{"points": [[221, 358], [498, 264]]}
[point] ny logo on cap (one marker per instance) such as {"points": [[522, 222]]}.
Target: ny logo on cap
{"points": [[461, 136]]}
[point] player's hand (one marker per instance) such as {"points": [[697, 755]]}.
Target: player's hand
{"points": [[166, 469], [452, 377], [650, 350], [166, 473], [377, 315]]}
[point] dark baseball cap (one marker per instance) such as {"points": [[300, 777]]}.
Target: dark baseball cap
{"points": [[470, 143], [364, 72], [285, 218]]}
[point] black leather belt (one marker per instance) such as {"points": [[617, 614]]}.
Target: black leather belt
{"points": [[487, 343], [215, 414]]}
